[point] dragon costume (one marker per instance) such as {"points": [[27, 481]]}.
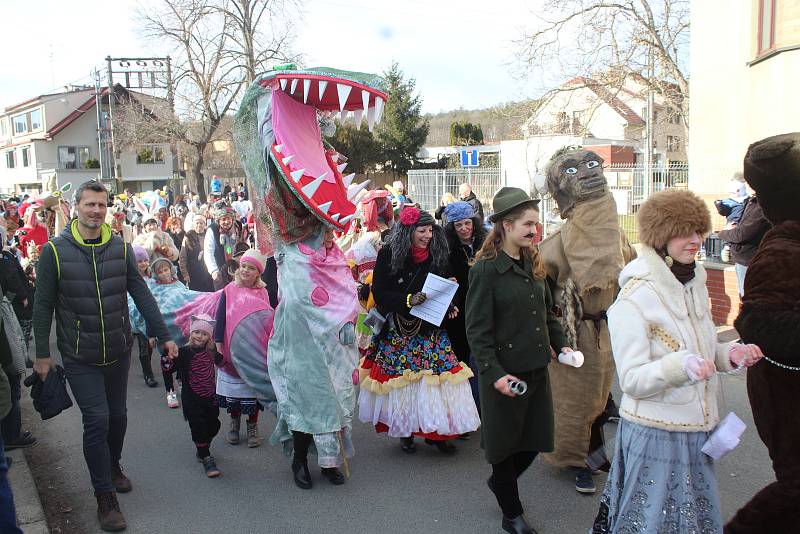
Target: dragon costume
{"points": [[583, 259], [298, 193]]}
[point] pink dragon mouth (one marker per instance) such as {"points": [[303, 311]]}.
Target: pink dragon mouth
{"points": [[313, 172]]}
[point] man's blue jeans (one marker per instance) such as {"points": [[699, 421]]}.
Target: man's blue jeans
{"points": [[8, 514]]}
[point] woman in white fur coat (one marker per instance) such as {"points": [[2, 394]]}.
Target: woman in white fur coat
{"points": [[667, 356]]}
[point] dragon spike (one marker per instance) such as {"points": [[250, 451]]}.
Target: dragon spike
{"points": [[341, 167], [371, 118], [287, 159], [344, 92], [296, 175], [347, 180], [325, 207], [284, 81], [365, 99], [357, 114], [293, 87], [306, 87], [378, 109], [353, 190], [278, 148], [322, 85], [312, 187], [336, 216], [347, 219]]}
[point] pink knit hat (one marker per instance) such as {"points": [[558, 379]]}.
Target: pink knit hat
{"points": [[203, 323], [254, 258]]}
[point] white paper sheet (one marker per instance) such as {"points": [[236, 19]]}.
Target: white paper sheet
{"points": [[440, 292], [725, 437]]}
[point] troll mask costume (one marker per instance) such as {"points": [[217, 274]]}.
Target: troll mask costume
{"points": [[583, 259], [299, 191]]}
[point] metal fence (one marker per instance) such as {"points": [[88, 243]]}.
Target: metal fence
{"points": [[427, 186]]}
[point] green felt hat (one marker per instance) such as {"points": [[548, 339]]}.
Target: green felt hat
{"points": [[507, 199]]}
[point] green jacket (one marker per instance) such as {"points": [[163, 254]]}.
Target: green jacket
{"points": [[509, 318]]}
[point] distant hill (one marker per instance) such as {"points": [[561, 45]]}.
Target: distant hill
{"points": [[499, 123]]}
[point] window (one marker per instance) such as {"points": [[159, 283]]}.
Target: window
{"points": [[766, 25], [26, 156], [11, 159], [673, 143], [3, 127], [72, 157], [28, 122], [675, 118], [149, 155]]}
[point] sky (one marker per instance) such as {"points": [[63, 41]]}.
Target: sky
{"points": [[460, 53]]}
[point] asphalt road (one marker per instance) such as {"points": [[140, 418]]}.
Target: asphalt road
{"points": [[388, 491]]}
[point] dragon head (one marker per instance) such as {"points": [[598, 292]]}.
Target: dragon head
{"points": [[279, 139]]}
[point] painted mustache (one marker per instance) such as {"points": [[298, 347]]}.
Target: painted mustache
{"points": [[530, 236]]}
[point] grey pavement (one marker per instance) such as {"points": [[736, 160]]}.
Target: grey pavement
{"points": [[388, 491]]}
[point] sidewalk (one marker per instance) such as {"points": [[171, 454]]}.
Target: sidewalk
{"points": [[30, 515]]}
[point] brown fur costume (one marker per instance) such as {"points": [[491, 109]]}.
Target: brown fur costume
{"points": [[583, 260], [672, 213], [770, 318]]}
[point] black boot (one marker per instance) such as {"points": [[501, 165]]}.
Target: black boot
{"points": [[407, 445], [301, 475], [333, 475], [517, 525], [147, 370]]}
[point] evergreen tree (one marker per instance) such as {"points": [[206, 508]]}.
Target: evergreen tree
{"points": [[403, 130], [361, 148]]}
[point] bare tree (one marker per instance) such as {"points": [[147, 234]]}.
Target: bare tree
{"points": [[606, 42], [218, 47]]}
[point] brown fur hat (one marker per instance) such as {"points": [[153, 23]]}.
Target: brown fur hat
{"points": [[772, 168], [672, 213]]}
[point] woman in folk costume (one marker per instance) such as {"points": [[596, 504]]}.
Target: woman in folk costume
{"points": [[190, 258], [667, 355], [239, 301], [412, 383], [220, 242], [583, 259]]}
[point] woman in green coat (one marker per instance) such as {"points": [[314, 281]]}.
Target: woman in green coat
{"points": [[513, 335]]}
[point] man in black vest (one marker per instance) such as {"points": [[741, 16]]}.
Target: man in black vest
{"points": [[83, 275]]}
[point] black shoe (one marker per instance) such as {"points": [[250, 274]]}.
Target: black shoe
{"points": [[445, 447], [210, 467], [23, 441], [333, 475], [407, 444], [301, 475], [517, 525], [583, 481], [150, 381]]}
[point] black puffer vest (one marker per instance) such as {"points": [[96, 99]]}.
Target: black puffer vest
{"points": [[93, 325]]}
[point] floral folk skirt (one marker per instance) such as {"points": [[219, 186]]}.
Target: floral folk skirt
{"points": [[415, 385], [660, 483]]}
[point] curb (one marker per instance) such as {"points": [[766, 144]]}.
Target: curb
{"points": [[30, 514]]}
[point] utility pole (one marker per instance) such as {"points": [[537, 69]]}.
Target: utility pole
{"points": [[101, 145], [647, 190], [112, 175]]}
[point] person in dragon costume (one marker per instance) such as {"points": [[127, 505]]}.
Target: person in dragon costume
{"points": [[583, 259], [299, 194]]}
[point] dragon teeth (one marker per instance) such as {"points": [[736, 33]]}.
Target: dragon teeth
{"points": [[284, 81], [296, 175], [325, 207], [306, 87], [371, 118], [357, 114], [347, 180], [353, 190], [322, 85], [293, 87], [287, 159], [336, 216], [341, 167], [312, 187], [378, 109], [278, 148], [347, 219], [365, 99], [344, 92]]}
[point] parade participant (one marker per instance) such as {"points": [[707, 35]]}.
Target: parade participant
{"points": [[116, 219], [411, 359], [219, 243], [244, 296], [93, 335], [176, 232], [164, 273], [33, 232], [512, 338], [770, 318], [163, 216], [142, 341], [155, 241], [195, 368], [8, 516], [194, 270], [667, 355], [744, 236], [465, 236], [465, 193], [12, 217], [583, 259], [243, 207]]}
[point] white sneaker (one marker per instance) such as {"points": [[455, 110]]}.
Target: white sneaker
{"points": [[172, 400]]}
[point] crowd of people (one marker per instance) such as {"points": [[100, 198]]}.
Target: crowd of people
{"points": [[503, 359]]}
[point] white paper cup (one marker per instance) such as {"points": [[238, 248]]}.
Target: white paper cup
{"points": [[573, 359]]}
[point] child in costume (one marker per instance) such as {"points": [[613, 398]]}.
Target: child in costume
{"points": [[195, 368], [155, 241], [164, 273], [145, 350], [245, 296]]}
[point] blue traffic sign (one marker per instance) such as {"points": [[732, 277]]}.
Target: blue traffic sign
{"points": [[469, 158]]}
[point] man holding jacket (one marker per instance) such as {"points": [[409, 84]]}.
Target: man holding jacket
{"points": [[83, 275], [745, 236]]}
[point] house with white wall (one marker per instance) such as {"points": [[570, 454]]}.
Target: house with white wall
{"points": [[53, 139]]}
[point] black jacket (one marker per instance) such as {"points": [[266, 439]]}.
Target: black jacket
{"points": [[50, 397], [14, 280], [87, 285], [748, 233], [460, 257], [477, 207], [192, 265]]}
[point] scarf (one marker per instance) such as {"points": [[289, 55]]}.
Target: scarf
{"points": [[418, 255], [682, 271], [591, 239]]}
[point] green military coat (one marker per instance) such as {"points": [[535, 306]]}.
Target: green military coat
{"points": [[511, 328]]}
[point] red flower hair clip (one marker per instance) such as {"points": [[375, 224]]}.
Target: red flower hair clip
{"points": [[409, 216]]}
